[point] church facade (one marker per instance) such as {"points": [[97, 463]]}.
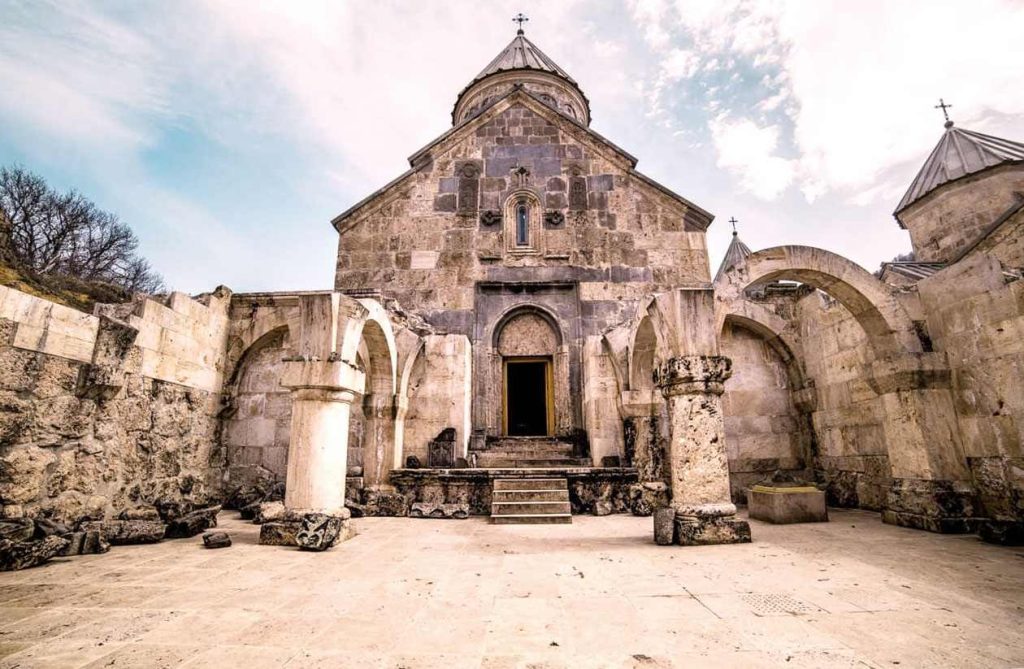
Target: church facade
{"points": [[523, 303]]}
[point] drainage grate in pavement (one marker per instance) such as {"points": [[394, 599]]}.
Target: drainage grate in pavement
{"points": [[768, 604]]}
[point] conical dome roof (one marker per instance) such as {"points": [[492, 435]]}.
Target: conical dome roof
{"points": [[958, 154], [734, 255], [521, 64], [522, 54]]}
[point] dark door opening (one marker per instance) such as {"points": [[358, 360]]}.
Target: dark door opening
{"points": [[527, 397]]}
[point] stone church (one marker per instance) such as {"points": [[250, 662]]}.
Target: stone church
{"points": [[522, 310]]}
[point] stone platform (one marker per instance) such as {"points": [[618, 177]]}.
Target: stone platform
{"points": [[587, 485]]}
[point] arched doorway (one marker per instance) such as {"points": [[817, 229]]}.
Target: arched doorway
{"points": [[528, 351]]}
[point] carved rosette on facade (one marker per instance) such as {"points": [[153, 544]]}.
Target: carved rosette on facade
{"points": [[490, 218], [554, 219], [697, 461]]}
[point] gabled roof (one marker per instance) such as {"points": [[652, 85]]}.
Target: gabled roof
{"points": [[734, 255], [521, 54], [423, 157], [959, 153]]}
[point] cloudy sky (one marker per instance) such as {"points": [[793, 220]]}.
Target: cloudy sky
{"points": [[228, 134]]}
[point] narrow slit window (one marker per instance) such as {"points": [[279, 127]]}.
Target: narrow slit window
{"points": [[522, 224]]}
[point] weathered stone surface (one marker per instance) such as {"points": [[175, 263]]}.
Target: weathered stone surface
{"points": [[383, 502], [84, 543], [644, 498], [603, 508], [279, 533], [433, 510], [17, 529], [268, 511], [936, 506], [126, 532], [15, 555], [1002, 532], [711, 530], [320, 531], [193, 523], [665, 526], [46, 527], [216, 540]]}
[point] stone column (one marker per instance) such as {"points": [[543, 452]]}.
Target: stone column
{"points": [[322, 396], [697, 462], [378, 438], [931, 486]]}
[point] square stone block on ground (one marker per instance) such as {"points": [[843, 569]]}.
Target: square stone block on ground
{"points": [[780, 505]]}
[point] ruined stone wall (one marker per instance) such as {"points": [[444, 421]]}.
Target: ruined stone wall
{"points": [[975, 313], [256, 434], [763, 429], [948, 220], [101, 415], [601, 402], [852, 454]]}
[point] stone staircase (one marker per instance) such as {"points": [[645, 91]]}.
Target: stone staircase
{"points": [[526, 452], [530, 502]]}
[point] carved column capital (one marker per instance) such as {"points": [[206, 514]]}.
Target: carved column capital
{"points": [[693, 375]]}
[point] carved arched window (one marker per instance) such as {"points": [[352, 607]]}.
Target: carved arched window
{"points": [[523, 223]]}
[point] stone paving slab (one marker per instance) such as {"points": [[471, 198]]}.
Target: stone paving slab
{"points": [[597, 593]]}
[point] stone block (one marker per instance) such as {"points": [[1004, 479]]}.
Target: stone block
{"points": [[320, 531], [127, 532], [429, 510], [216, 540], [193, 523], [279, 533], [1002, 532], [706, 531], [781, 505], [84, 543], [15, 555], [665, 526]]}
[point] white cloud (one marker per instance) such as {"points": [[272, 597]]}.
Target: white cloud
{"points": [[749, 151]]}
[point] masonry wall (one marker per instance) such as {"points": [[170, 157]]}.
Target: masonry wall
{"points": [[763, 430], [948, 220], [975, 313], [100, 415], [852, 453], [427, 246]]}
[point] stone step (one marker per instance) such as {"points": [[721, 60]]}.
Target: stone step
{"points": [[514, 462], [533, 519], [531, 507], [530, 496], [531, 484], [531, 447]]}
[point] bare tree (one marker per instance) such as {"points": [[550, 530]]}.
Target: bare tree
{"points": [[52, 233]]}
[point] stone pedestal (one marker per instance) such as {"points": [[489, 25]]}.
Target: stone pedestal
{"points": [[784, 505], [697, 463]]}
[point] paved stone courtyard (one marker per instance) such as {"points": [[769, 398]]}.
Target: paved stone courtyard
{"points": [[597, 593]]}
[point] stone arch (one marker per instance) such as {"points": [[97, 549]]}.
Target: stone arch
{"points": [[770, 327], [256, 430], [523, 332], [887, 325], [643, 354], [532, 201], [523, 310], [376, 352], [264, 321]]}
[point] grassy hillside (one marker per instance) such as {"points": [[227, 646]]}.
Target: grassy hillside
{"points": [[74, 293]]}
